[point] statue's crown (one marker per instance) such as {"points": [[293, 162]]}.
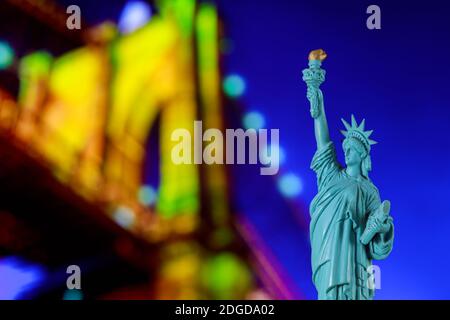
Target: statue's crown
{"points": [[357, 132]]}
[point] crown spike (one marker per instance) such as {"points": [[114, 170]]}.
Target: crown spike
{"points": [[357, 131], [362, 125], [346, 124], [354, 124]]}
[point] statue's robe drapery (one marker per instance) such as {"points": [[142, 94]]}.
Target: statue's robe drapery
{"points": [[339, 212]]}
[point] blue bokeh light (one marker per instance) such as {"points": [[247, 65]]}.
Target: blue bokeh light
{"points": [[17, 277], [254, 120], [134, 15], [147, 195], [290, 185]]}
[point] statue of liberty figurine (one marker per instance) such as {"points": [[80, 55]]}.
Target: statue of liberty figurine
{"points": [[350, 225]]}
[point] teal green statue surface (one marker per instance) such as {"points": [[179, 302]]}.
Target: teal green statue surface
{"points": [[350, 226]]}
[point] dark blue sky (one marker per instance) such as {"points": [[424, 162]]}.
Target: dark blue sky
{"points": [[396, 77]]}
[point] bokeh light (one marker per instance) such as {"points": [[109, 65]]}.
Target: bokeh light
{"points": [[226, 276], [35, 64], [17, 277], [124, 217], [134, 15], [6, 55], [254, 120], [234, 86], [290, 185], [147, 195], [73, 294]]}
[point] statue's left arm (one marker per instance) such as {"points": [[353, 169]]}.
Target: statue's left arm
{"points": [[379, 232], [381, 244]]}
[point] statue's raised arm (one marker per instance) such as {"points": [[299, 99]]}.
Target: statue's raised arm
{"points": [[314, 76]]}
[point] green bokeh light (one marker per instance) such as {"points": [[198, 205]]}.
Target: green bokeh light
{"points": [[227, 276]]}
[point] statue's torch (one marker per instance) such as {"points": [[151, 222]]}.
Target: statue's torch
{"points": [[314, 76]]}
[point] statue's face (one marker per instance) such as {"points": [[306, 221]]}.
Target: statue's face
{"points": [[352, 156]]}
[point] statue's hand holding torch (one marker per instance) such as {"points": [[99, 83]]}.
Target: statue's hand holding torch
{"points": [[314, 76]]}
